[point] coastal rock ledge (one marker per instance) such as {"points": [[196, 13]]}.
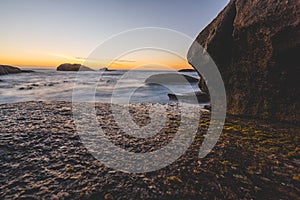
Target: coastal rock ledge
{"points": [[256, 46]]}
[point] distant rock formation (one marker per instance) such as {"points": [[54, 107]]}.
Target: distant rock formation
{"points": [[186, 70], [170, 78], [256, 46], [6, 69], [73, 67], [106, 69]]}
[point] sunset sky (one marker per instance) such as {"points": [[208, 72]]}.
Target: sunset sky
{"points": [[46, 33]]}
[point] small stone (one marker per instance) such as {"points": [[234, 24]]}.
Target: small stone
{"points": [[108, 197]]}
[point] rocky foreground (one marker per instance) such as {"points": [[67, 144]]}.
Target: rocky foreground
{"points": [[41, 156]]}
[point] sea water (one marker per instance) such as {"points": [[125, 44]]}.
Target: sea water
{"points": [[52, 85]]}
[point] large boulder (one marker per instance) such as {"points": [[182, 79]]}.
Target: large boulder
{"points": [[256, 46], [7, 69], [73, 67], [170, 78]]}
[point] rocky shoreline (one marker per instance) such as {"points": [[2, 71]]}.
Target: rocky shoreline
{"points": [[42, 157]]}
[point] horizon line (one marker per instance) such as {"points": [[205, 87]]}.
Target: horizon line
{"points": [[95, 68]]}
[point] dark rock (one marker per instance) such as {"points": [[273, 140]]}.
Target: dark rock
{"points": [[106, 69], [26, 88], [73, 67], [256, 46], [186, 70], [7, 69], [207, 107], [188, 97], [170, 78], [27, 71]]}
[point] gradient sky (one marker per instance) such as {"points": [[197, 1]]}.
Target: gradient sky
{"points": [[51, 32]]}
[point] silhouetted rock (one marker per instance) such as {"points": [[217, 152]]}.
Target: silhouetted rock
{"points": [[256, 46], [73, 67], [6, 69], [27, 71], [106, 69], [186, 70], [170, 78]]}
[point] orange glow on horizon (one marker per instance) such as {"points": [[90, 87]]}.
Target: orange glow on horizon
{"points": [[40, 63], [133, 59], [150, 58]]}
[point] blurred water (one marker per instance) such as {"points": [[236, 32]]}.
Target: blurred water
{"points": [[52, 85]]}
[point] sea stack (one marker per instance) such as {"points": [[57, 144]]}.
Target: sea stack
{"points": [[73, 67], [170, 78], [7, 69], [256, 46]]}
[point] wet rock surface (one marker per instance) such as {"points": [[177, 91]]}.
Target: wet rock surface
{"points": [[37, 85], [42, 157], [189, 97], [255, 45]]}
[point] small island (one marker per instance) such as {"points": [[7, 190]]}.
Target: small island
{"points": [[7, 69], [73, 67]]}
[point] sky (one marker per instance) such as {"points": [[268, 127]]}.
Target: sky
{"points": [[46, 33]]}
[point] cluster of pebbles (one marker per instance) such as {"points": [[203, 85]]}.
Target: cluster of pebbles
{"points": [[43, 157]]}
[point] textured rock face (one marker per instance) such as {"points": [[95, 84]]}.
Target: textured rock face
{"points": [[256, 46], [73, 67]]}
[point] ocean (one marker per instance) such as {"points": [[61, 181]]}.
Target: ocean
{"points": [[52, 85]]}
